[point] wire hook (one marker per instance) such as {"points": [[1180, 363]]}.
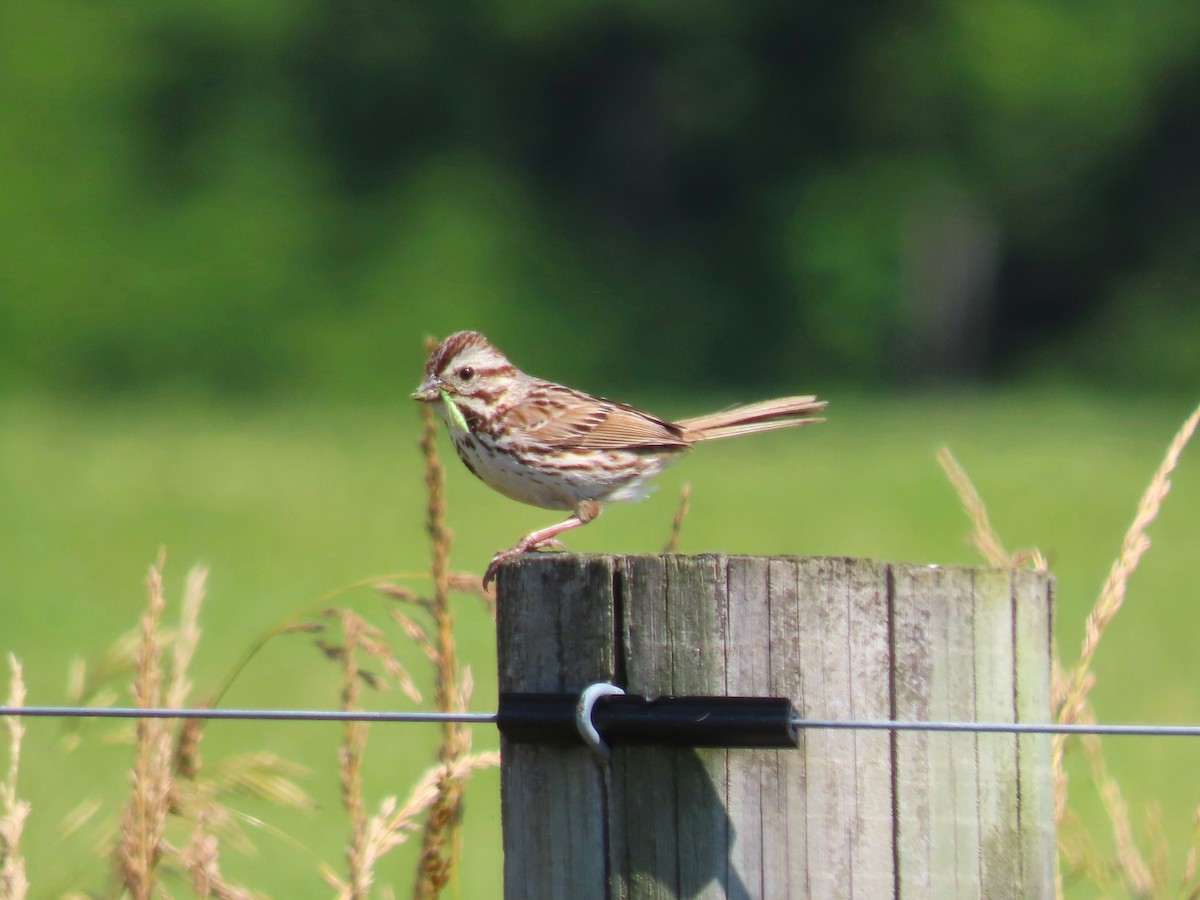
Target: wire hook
{"points": [[583, 716]]}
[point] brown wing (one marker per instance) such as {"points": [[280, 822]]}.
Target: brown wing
{"points": [[570, 420]]}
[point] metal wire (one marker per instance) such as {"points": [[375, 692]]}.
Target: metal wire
{"points": [[484, 718], [285, 715], [1001, 727]]}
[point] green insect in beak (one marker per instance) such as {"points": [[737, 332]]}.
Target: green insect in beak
{"points": [[456, 415]]}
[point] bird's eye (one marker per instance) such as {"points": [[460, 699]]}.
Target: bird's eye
{"points": [[466, 373]]}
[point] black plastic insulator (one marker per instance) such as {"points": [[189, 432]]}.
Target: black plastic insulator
{"points": [[663, 721]]}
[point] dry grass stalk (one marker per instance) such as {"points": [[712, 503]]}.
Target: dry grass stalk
{"points": [[13, 812], [416, 633], [1112, 594], [685, 497], [439, 794], [83, 813], [1080, 858], [170, 763], [360, 637], [186, 760], [1137, 875], [1060, 780], [88, 683], [1160, 851], [165, 774], [200, 858], [439, 840], [350, 754], [401, 593], [1073, 687], [466, 582], [392, 825], [140, 844], [187, 636], [471, 583], [261, 774], [983, 535]]}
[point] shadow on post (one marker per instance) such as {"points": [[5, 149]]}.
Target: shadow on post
{"points": [[672, 811]]}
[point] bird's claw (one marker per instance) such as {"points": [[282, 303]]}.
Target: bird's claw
{"points": [[490, 574], [502, 556]]}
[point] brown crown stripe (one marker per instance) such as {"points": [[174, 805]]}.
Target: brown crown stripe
{"points": [[452, 346]]}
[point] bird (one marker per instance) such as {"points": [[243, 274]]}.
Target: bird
{"points": [[551, 446]]}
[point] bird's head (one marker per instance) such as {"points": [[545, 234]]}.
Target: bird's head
{"points": [[464, 365]]}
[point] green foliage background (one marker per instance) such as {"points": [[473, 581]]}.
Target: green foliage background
{"points": [[271, 197]]}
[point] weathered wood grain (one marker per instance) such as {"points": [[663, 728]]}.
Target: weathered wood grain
{"points": [[555, 631], [676, 830], [849, 814], [995, 701], [1033, 607], [843, 664], [785, 850]]}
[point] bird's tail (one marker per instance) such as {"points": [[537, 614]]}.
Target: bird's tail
{"points": [[752, 418]]}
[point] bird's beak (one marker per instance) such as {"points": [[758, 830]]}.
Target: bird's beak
{"points": [[429, 390]]}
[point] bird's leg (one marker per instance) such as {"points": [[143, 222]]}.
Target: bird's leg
{"points": [[584, 513]]}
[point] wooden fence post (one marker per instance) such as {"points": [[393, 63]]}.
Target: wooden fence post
{"points": [[849, 813]]}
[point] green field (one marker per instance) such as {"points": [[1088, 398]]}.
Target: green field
{"points": [[288, 503]]}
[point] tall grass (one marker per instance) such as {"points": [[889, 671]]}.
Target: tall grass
{"points": [[440, 847], [437, 796], [1128, 868], [179, 813]]}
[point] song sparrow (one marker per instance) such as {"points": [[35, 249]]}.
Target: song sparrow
{"points": [[551, 446]]}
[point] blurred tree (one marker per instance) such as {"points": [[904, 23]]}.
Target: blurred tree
{"points": [[284, 196]]}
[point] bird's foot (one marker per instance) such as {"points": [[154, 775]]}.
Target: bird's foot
{"points": [[524, 546]]}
